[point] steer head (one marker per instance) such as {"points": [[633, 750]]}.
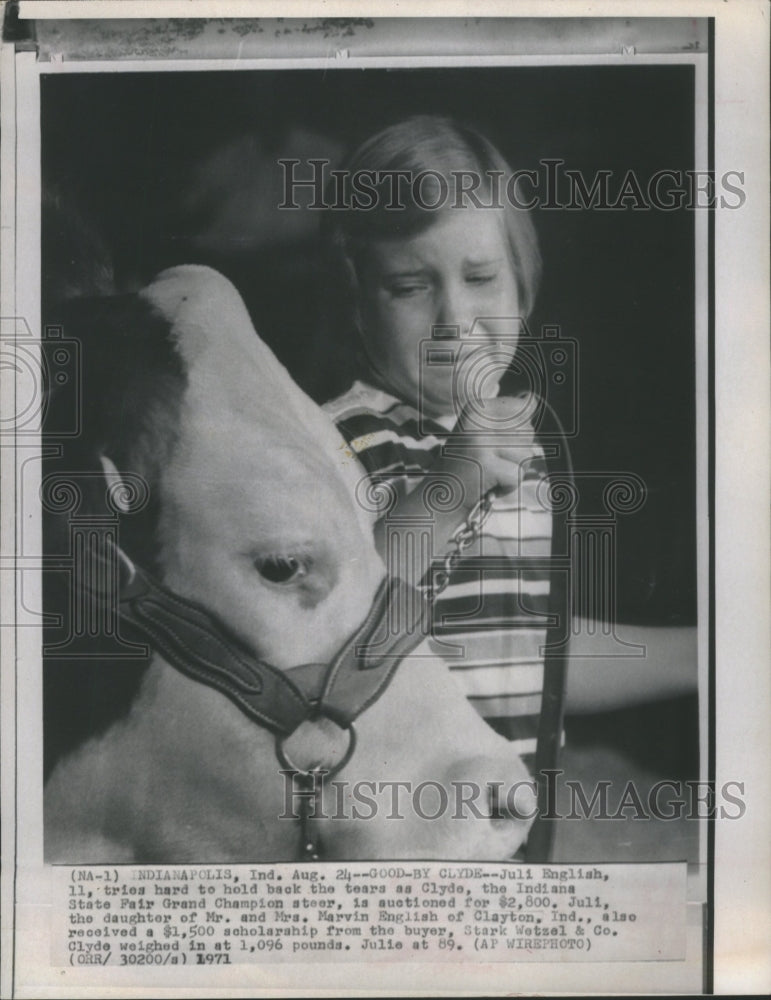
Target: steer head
{"points": [[252, 515]]}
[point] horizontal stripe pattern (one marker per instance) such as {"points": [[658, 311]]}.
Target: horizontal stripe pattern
{"points": [[488, 623]]}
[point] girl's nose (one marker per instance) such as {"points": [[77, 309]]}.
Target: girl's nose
{"points": [[455, 308]]}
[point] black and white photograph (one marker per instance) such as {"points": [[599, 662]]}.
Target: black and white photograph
{"points": [[366, 377]]}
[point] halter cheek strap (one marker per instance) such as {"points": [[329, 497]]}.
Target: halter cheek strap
{"points": [[193, 641]]}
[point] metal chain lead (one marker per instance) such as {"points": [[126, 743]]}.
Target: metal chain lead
{"points": [[462, 538]]}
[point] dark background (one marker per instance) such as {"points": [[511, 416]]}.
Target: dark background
{"points": [[180, 168], [146, 170]]}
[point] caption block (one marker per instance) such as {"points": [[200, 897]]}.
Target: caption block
{"points": [[207, 915]]}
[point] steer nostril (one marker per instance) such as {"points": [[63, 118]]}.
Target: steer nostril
{"points": [[497, 802], [514, 801]]}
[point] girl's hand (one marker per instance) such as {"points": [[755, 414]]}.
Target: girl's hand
{"points": [[499, 461]]}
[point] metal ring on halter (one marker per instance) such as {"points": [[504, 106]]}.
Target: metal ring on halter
{"points": [[327, 772]]}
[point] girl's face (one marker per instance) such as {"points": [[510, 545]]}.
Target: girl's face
{"points": [[458, 273]]}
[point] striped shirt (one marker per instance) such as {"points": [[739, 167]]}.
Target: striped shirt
{"points": [[488, 622]]}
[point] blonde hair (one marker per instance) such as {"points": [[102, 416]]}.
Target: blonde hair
{"points": [[436, 149]]}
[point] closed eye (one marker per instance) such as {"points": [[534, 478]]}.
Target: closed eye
{"points": [[480, 279], [281, 569], [405, 290]]}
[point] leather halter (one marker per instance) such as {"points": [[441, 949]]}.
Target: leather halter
{"points": [[197, 644]]}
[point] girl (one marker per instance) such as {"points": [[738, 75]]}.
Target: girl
{"points": [[441, 271]]}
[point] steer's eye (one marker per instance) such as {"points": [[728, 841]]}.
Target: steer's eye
{"points": [[281, 569]]}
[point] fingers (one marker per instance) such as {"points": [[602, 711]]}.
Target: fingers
{"points": [[503, 472], [501, 463]]}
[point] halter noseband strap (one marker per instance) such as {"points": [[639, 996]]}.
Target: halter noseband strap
{"points": [[193, 641]]}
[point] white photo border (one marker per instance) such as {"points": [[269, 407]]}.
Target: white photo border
{"points": [[741, 401]]}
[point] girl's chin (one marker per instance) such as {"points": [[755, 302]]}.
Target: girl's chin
{"points": [[442, 399], [437, 406]]}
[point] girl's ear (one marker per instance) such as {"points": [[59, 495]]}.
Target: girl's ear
{"points": [[116, 484]]}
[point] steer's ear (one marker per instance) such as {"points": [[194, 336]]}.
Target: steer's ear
{"points": [[115, 482]]}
